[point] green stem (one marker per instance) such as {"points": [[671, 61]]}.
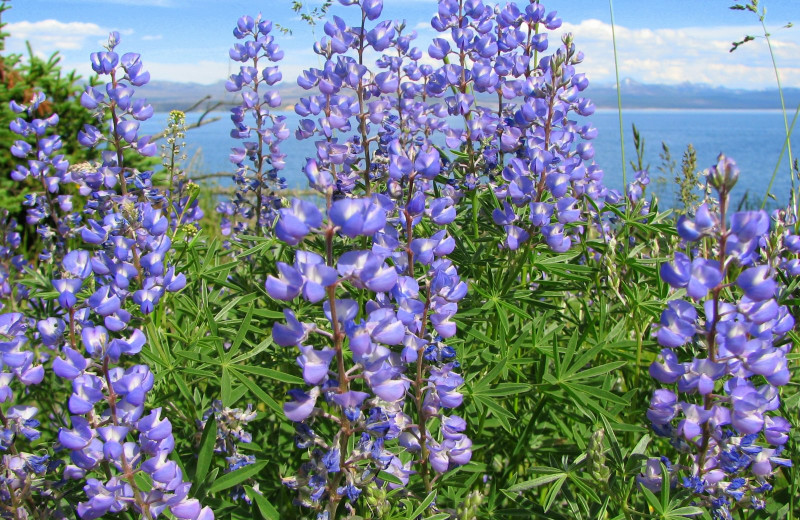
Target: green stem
{"points": [[780, 157], [639, 344], [619, 95], [783, 109], [475, 228]]}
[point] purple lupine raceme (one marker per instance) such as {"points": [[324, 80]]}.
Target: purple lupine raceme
{"points": [[402, 375], [352, 100], [532, 155], [721, 410], [258, 159], [130, 235], [46, 169], [107, 435]]}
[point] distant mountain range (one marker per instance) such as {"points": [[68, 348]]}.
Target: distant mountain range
{"points": [[164, 96]]}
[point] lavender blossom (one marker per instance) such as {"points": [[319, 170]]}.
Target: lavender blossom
{"points": [[726, 398]]}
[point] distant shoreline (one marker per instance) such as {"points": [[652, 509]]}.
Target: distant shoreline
{"points": [[164, 96], [224, 109]]}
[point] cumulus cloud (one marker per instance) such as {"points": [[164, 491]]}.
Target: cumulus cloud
{"points": [[695, 54], [676, 55], [203, 71], [148, 3], [52, 35]]}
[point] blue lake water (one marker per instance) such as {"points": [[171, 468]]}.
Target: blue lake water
{"points": [[753, 138]]}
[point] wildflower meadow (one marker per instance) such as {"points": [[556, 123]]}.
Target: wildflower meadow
{"points": [[457, 320]]}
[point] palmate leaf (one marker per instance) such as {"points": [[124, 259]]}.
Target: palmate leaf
{"points": [[240, 335], [506, 389], [575, 375], [226, 387], [652, 500], [553, 492], [490, 377], [499, 412], [683, 512], [556, 478], [471, 331], [239, 301]]}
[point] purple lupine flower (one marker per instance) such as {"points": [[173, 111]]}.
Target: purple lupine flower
{"points": [[288, 286], [724, 428], [290, 334], [677, 324], [302, 404], [314, 363], [757, 283], [667, 369], [296, 222], [67, 289], [356, 217]]}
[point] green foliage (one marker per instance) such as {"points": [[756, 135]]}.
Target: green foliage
{"points": [[638, 144], [556, 384], [687, 181], [554, 348], [20, 78]]}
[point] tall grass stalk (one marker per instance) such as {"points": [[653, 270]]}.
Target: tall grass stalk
{"points": [[786, 145], [783, 109], [619, 94]]}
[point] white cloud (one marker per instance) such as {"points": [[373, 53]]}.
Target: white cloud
{"points": [[148, 3], [51, 35], [676, 55], [203, 71], [694, 54]]}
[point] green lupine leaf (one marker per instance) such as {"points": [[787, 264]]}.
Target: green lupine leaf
{"points": [[264, 507], [272, 374], [206, 451], [388, 477], [258, 392], [682, 512], [236, 477], [506, 389], [536, 482], [423, 506]]}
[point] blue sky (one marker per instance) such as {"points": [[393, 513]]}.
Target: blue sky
{"points": [[660, 41]]}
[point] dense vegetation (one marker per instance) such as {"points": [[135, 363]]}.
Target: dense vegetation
{"points": [[476, 330]]}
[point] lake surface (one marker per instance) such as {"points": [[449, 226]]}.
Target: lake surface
{"points": [[753, 138]]}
